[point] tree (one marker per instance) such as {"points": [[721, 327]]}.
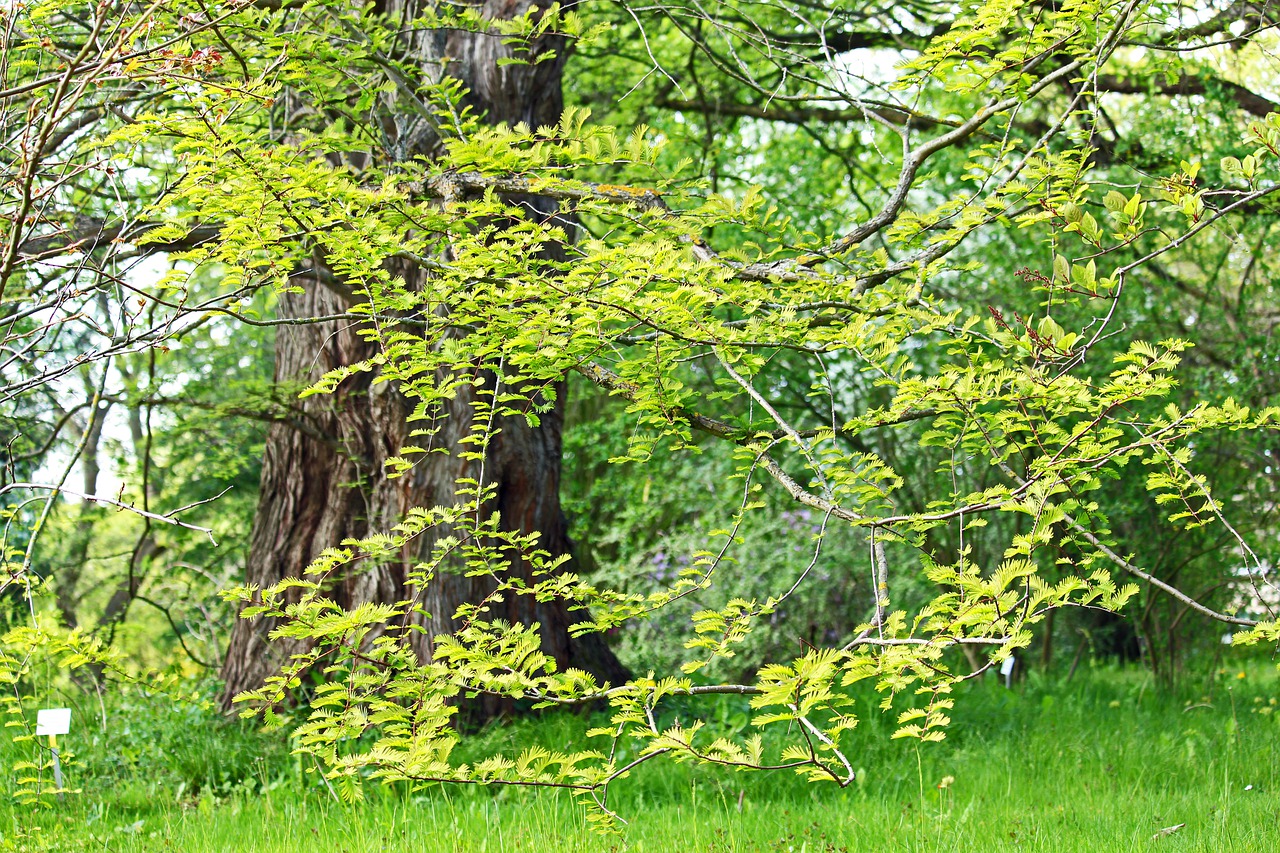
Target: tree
{"points": [[319, 490], [454, 244]]}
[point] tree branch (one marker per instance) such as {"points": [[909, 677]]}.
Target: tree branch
{"points": [[1187, 84]]}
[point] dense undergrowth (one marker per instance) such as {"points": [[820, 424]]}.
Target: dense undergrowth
{"points": [[1106, 761]]}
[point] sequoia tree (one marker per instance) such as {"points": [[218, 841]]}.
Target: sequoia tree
{"points": [[326, 485]]}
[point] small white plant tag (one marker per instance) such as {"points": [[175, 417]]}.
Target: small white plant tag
{"points": [[53, 721], [1006, 669]]}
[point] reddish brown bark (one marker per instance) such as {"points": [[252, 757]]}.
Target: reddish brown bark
{"points": [[325, 482]]}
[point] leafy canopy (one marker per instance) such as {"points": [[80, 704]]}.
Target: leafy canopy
{"points": [[261, 135]]}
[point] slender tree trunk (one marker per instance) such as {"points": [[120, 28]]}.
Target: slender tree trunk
{"points": [[327, 483], [67, 597], [1046, 647]]}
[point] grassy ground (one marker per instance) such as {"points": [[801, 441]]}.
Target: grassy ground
{"points": [[1104, 763]]}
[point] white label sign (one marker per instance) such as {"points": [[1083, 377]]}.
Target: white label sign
{"points": [[53, 721], [1006, 666]]}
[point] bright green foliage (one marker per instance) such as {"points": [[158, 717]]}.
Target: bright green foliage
{"points": [[678, 299]]}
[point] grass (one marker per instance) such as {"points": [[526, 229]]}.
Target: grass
{"points": [[1104, 763]]}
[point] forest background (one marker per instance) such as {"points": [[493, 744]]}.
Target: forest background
{"points": [[625, 354]]}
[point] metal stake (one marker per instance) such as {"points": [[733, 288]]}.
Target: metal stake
{"points": [[57, 765]]}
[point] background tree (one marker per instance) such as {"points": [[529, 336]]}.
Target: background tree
{"points": [[809, 148]]}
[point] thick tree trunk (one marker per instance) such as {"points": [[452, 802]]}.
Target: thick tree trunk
{"points": [[323, 479]]}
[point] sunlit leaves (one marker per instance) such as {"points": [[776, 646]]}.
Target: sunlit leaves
{"points": [[482, 263]]}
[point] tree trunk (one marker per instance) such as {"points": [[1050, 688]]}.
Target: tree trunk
{"points": [[1046, 645], [323, 479]]}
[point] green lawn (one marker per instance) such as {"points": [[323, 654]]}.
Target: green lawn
{"points": [[1104, 763]]}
